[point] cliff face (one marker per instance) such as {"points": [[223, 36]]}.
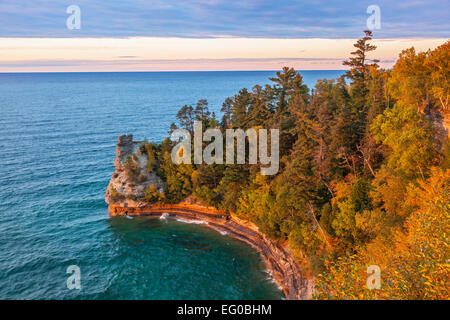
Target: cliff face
{"points": [[279, 259]]}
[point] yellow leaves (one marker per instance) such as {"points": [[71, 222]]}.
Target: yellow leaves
{"points": [[421, 79], [415, 266], [423, 250], [342, 190], [260, 180], [439, 66], [194, 176], [152, 194], [435, 190], [389, 191]]}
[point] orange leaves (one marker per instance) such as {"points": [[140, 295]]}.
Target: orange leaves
{"points": [[414, 264], [431, 190]]}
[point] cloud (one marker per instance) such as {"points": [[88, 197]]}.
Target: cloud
{"points": [[178, 64], [157, 53], [223, 18]]}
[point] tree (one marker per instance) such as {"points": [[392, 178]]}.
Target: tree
{"points": [[186, 118], [178, 182], [408, 134], [415, 266], [202, 113], [438, 62], [361, 73], [288, 83], [227, 110], [240, 105], [359, 64], [258, 112], [350, 205], [290, 96]]}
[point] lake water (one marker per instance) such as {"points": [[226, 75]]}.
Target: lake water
{"points": [[57, 147]]}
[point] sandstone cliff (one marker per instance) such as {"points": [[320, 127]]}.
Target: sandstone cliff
{"points": [[122, 186]]}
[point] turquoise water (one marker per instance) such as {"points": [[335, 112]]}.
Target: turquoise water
{"points": [[57, 147]]}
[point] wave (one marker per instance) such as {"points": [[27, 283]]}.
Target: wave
{"points": [[164, 216], [191, 221], [271, 279]]}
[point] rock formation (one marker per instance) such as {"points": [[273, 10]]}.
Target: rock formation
{"points": [[122, 187]]}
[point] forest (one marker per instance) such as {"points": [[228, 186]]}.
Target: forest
{"points": [[363, 178]]}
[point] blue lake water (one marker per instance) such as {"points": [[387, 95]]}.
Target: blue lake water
{"points": [[57, 146]]}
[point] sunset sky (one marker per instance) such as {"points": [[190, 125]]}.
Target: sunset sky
{"points": [[137, 35]]}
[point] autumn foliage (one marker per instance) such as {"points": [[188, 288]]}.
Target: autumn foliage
{"points": [[364, 172]]}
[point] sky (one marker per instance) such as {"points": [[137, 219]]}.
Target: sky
{"points": [[173, 35]]}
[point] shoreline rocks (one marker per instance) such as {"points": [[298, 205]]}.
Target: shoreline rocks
{"points": [[125, 197], [279, 259]]}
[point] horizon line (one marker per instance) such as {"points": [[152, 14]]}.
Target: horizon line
{"points": [[165, 71]]}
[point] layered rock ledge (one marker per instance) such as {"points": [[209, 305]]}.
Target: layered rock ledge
{"points": [[279, 259]]}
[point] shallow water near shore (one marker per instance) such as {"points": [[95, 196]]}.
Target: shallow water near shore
{"points": [[57, 147]]}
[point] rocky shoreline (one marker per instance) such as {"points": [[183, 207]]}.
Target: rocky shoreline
{"points": [[126, 197], [279, 259]]}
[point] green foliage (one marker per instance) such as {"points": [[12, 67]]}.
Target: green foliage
{"points": [[350, 204], [408, 134], [178, 179], [206, 195], [116, 195], [326, 218], [152, 194], [421, 79], [188, 114], [132, 168]]}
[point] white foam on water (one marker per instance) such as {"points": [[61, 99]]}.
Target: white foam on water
{"points": [[270, 278], [164, 216], [269, 272], [191, 221]]}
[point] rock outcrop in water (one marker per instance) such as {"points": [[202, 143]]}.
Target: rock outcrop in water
{"points": [[124, 188], [125, 198]]}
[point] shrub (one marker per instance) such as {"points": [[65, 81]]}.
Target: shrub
{"points": [[132, 197], [151, 157], [131, 168], [206, 195], [116, 195], [152, 194]]}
